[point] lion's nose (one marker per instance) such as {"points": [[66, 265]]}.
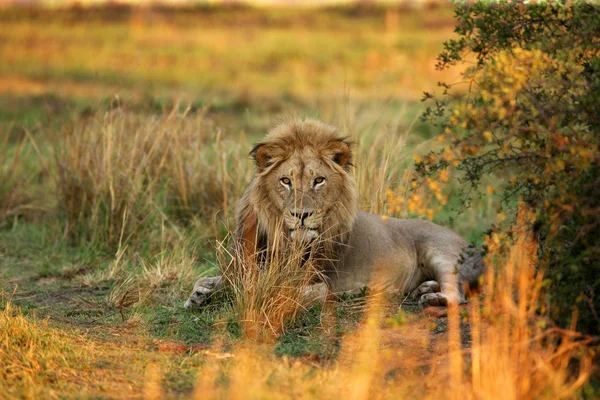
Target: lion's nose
{"points": [[302, 215]]}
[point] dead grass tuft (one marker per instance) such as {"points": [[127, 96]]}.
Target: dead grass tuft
{"points": [[269, 294], [206, 171], [165, 279], [514, 353], [120, 173], [32, 356], [15, 178]]}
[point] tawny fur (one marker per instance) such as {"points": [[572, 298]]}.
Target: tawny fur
{"points": [[258, 216], [358, 249]]}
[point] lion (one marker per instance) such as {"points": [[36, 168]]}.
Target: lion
{"points": [[303, 190]]}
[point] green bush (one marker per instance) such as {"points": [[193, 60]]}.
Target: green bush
{"points": [[528, 113]]}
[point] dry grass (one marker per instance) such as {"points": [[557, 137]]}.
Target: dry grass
{"points": [[514, 354], [268, 296], [255, 51], [165, 279], [381, 159], [107, 180], [40, 361], [33, 357], [119, 173], [206, 170], [16, 176]]}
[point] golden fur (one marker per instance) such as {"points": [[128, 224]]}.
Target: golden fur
{"points": [[261, 212], [303, 191]]}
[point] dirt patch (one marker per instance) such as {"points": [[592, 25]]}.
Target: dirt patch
{"points": [[65, 304]]}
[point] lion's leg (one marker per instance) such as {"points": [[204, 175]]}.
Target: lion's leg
{"points": [[204, 287], [446, 274]]}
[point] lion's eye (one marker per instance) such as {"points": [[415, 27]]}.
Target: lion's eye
{"points": [[319, 180], [286, 181]]}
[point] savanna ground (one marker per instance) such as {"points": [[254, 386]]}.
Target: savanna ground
{"points": [[124, 141]]}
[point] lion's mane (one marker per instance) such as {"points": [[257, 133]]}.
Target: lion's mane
{"points": [[258, 219]]}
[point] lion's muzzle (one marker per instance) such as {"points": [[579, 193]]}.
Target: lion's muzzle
{"points": [[303, 225]]}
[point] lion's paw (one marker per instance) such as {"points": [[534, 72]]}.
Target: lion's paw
{"points": [[440, 299], [425, 287], [433, 300], [203, 288]]}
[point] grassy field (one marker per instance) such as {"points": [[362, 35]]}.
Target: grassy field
{"points": [[124, 136]]}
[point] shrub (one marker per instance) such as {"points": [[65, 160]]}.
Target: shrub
{"points": [[530, 117]]}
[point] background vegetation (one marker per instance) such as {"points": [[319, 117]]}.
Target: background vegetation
{"points": [[124, 135], [533, 120]]}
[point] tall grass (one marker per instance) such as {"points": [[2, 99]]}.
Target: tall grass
{"points": [[16, 177], [121, 173], [268, 296], [206, 170], [382, 163], [514, 353]]}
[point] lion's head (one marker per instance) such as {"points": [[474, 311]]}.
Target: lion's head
{"points": [[302, 187]]}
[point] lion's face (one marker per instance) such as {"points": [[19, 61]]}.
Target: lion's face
{"points": [[303, 177], [304, 188]]}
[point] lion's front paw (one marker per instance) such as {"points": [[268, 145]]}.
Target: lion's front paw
{"points": [[197, 298], [203, 289]]}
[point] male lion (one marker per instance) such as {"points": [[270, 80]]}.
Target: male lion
{"points": [[303, 191]]}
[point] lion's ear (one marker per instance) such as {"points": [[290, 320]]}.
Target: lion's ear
{"points": [[341, 153], [262, 155]]}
